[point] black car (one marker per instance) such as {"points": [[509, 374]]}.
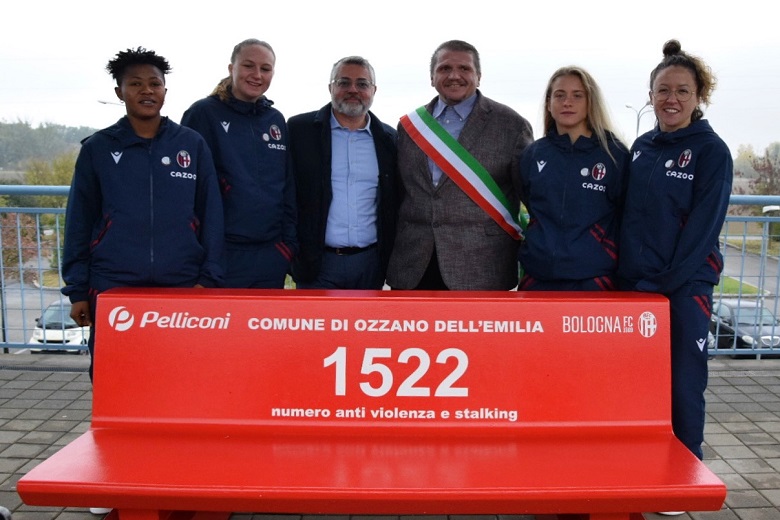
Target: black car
{"points": [[744, 324]]}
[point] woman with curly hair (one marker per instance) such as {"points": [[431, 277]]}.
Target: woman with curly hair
{"points": [[678, 192], [144, 208]]}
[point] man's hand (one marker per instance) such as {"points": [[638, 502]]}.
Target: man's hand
{"points": [[79, 311]]}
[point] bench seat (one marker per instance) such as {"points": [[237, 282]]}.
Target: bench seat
{"points": [[190, 422], [377, 474]]}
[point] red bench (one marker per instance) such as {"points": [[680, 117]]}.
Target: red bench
{"points": [[378, 403]]}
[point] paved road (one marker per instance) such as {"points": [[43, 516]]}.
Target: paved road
{"points": [[748, 268]]}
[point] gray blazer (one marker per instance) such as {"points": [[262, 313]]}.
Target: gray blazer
{"points": [[474, 253]]}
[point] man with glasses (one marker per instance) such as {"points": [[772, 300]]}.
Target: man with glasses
{"points": [[344, 164]]}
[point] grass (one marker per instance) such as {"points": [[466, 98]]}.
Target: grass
{"points": [[52, 279], [729, 285], [754, 246], [747, 236], [289, 283]]}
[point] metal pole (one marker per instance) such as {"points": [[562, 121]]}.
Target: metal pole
{"points": [[646, 108]]}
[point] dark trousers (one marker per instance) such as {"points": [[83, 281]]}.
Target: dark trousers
{"points": [[690, 318], [255, 267], [356, 271], [431, 279], [91, 341], [601, 283]]}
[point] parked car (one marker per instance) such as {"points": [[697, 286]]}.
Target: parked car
{"points": [[741, 323], [56, 329]]}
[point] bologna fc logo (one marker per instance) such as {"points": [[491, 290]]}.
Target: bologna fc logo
{"points": [[183, 158], [599, 171], [276, 134], [648, 325], [685, 158]]}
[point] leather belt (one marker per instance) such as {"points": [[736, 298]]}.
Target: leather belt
{"points": [[346, 251]]}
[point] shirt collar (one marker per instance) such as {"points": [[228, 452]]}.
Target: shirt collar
{"points": [[463, 109], [334, 123]]}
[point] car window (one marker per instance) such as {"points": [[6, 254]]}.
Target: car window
{"points": [[747, 316], [767, 318], [722, 311], [755, 316], [57, 316]]}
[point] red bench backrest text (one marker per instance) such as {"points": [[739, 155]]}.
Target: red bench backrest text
{"points": [[417, 362]]}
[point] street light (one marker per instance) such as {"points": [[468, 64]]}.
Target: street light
{"points": [[765, 238], [646, 109]]}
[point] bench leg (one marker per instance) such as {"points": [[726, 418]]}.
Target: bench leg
{"points": [[593, 516], [617, 516], [156, 514]]}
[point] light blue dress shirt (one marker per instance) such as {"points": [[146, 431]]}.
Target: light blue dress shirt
{"points": [[452, 118], [354, 180]]}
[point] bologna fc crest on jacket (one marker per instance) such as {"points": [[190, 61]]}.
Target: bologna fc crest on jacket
{"points": [[276, 134], [599, 171], [183, 159], [685, 158]]}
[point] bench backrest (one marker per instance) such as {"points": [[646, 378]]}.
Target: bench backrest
{"points": [[420, 361]]}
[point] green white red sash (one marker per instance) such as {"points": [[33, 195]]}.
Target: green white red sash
{"points": [[462, 168]]}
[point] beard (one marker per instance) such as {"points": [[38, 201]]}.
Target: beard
{"points": [[351, 109]]}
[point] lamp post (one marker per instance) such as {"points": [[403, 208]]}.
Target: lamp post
{"points": [[765, 238], [646, 109]]}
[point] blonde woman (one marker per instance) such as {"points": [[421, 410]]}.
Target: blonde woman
{"points": [[571, 182], [248, 138]]}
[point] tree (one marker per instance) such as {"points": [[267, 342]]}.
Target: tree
{"points": [[57, 172], [16, 143], [20, 142], [768, 169], [743, 164], [18, 233], [744, 179]]}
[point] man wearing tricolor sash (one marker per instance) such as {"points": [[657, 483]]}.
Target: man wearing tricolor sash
{"points": [[457, 226]]}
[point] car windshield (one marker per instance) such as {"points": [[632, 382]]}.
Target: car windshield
{"points": [[56, 316], [754, 316]]}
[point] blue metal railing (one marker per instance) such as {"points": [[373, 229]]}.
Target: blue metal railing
{"points": [[30, 281], [31, 243]]}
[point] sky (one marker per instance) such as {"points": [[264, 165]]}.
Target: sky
{"points": [[53, 54]]}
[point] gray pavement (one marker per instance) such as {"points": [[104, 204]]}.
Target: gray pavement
{"points": [[45, 402]]}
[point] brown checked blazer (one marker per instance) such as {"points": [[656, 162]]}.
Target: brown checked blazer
{"points": [[474, 253]]}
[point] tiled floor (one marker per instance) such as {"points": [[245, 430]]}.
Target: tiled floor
{"points": [[45, 402]]}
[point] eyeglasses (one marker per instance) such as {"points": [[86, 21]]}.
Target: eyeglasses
{"points": [[344, 84], [663, 93]]}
